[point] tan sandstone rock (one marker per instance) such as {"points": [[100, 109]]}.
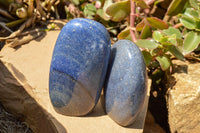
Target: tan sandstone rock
{"points": [[24, 74], [151, 126], [184, 98]]}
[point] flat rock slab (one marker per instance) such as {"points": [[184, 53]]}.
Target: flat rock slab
{"points": [[184, 98], [24, 91]]}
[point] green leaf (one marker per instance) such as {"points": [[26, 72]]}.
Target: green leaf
{"points": [[166, 44], [89, 10], [147, 57], [76, 2], [119, 10], [164, 39], [146, 32], [194, 4], [188, 22], [193, 14], [140, 25], [123, 34], [176, 52], [198, 48], [179, 42], [141, 3], [164, 62], [157, 23], [185, 32], [191, 19], [100, 13], [172, 39], [175, 7], [170, 31], [157, 35], [146, 43], [107, 3], [191, 41]]}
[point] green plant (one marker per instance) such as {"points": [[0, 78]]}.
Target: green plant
{"points": [[177, 34], [159, 40]]}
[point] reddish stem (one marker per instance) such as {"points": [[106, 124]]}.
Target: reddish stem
{"points": [[149, 2], [132, 21], [178, 25]]}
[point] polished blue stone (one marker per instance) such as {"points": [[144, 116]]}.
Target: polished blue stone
{"points": [[126, 83], [78, 67]]}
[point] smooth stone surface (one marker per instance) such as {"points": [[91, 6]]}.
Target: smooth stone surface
{"points": [[126, 84], [78, 66]]}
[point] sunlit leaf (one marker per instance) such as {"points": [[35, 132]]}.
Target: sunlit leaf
{"points": [[157, 23], [140, 25], [191, 13], [107, 3], [176, 52], [89, 10], [119, 10], [195, 14], [188, 22], [164, 62], [191, 41], [175, 7], [100, 13], [125, 34], [166, 44], [76, 2], [170, 31], [172, 39], [147, 57], [146, 43], [157, 35], [141, 3], [185, 32], [179, 42], [164, 39], [146, 32], [194, 4]]}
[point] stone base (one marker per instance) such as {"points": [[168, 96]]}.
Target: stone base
{"points": [[184, 98], [24, 92]]}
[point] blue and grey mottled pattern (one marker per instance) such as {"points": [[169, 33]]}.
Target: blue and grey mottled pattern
{"points": [[78, 67], [126, 84]]}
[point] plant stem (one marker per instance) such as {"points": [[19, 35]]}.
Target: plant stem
{"points": [[30, 8], [14, 23], [132, 21], [149, 2], [178, 25], [6, 14]]}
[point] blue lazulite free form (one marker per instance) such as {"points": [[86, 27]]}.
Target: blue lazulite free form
{"points": [[78, 67], [126, 83]]}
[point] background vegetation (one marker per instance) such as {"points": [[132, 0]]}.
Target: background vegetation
{"points": [[173, 34], [163, 29]]}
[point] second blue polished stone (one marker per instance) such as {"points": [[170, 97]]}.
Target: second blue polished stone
{"points": [[78, 67], [126, 85]]}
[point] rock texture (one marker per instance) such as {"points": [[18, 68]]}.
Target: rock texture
{"points": [[126, 83], [24, 81], [151, 126], [78, 67], [184, 98]]}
